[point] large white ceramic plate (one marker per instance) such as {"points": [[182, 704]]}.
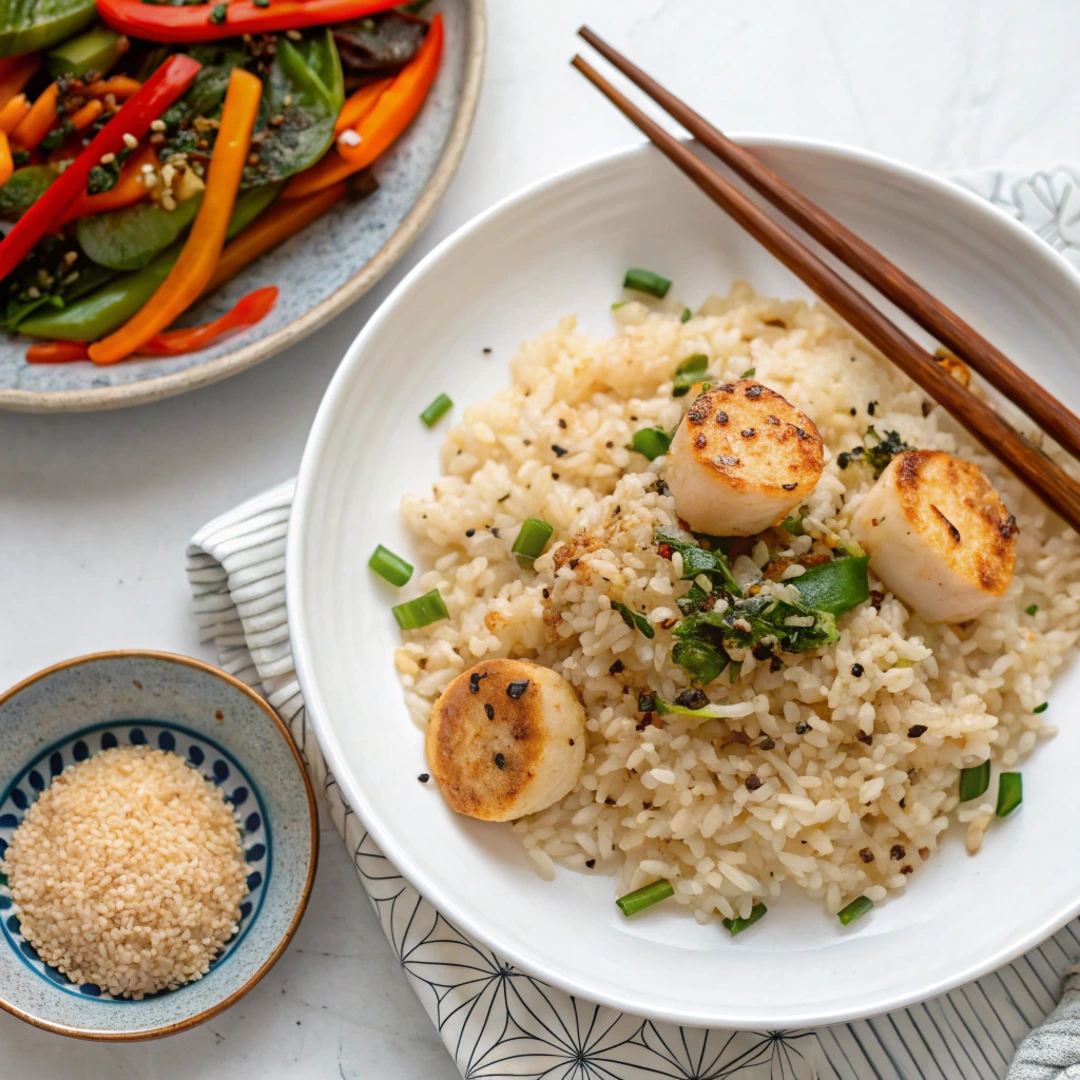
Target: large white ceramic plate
{"points": [[561, 247]]}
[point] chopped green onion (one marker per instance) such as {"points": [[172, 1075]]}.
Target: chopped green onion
{"points": [[793, 525], [218, 13], [735, 671], [634, 620], [390, 566], [835, 586], [706, 712], [1032, 609], [436, 410], [1010, 793], [618, 304], [651, 442], [691, 370], [974, 781], [647, 282], [424, 609], [749, 373], [531, 541], [1041, 708], [686, 315], [855, 910], [645, 897], [737, 926]]}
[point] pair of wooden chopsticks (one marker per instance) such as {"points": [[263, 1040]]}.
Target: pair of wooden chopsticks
{"points": [[1051, 483]]}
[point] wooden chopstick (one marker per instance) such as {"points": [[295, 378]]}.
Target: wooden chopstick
{"points": [[869, 263], [1053, 485]]}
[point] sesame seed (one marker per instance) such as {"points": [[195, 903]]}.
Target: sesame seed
{"points": [[130, 141]]}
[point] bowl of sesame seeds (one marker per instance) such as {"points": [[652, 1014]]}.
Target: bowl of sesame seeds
{"points": [[158, 842]]}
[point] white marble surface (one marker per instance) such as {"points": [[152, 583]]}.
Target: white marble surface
{"points": [[95, 510]]}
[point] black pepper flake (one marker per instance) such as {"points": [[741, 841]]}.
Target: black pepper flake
{"points": [[855, 412], [726, 459], [692, 699], [547, 594], [762, 652], [772, 420], [486, 350], [916, 731], [775, 663], [474, 681], [661, 487], [562, 423], [609, 801], [902, 803], [495, 532], [616, 668], [864, 738], [699, 442], [609, 444], [517, 688], [754, 391], [721, 418], [802, 434], [490, 710], [470, 532], [857, 670], [801, 728], [871, 407], [753, 782], [789, 487], [500, 761], [424, 777], [590, 863], [906, 870], [926, 407], [897, 852], [646, 702], [570, 741], [554, 476], [558, 451], [748, 433], [767, 743], [866, 855], [698, 413]]}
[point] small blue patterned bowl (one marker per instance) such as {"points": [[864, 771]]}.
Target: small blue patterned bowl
{"points": [[66, 713]]}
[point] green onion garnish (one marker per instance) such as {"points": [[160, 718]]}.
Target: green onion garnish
{"points": [[737, 926], [647, 282], [424, 609], [855, 910], [691, 370], [531, 541], [1041, 708], [618, 304], [390, 566], [1031, 609], [633, 620], [437, 409], [645, 897], [793, 525], [974, 781], [1010, 793], [749, 373], [686, 316], [651, 441], [705, 712]]}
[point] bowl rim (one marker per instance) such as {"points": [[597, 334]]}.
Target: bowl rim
{"points": [[549, 969], [92, 1034], [212, 371]]}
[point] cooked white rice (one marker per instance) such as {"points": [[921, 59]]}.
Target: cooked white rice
{"points": [[837, 816]]}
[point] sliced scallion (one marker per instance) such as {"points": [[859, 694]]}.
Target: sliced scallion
{"points": [[645, 897], [647, 282], [686, 316], [974, 781], [1032, 608], [436, 410], [855, 910], [390, 566], [749, 373], [651, 442], [531, 541], [423, 610], [632, 619], [1041, 708], [793, 525], [1010, 793], [737, 926], [690, 371], [711, 711]]}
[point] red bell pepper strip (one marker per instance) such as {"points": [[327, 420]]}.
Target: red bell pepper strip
{"points": [[247, 311], [134, 118], [199, 22], [57, 352]]}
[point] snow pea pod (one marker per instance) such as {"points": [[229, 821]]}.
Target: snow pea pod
{"points": [[128, 238], [108, 308], [29, 25]]}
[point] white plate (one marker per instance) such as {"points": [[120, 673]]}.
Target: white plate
{"points": [[560, 247]]}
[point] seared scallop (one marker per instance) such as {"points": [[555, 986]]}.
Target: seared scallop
{"points": [[506, 738], [938, 535], [741, 459]]}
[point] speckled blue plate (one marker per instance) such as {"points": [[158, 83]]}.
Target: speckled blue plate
{"points": [[66, 713], [327, 266]]}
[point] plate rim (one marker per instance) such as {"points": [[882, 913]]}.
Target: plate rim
{"points": [[548, 970], [221, 367]]}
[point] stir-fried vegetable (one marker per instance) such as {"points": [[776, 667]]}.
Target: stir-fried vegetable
{"points": [[974, 781], [737, 926], [247, 311], [645, 897], [650, 442], [646, 281], [376, 46], [531, 541], [877, 453], [835, 586], [689, 372], [98, 49], [29, 25], [634, 620], [390, 566], [855, 910], [128, 189], [422, 611]]}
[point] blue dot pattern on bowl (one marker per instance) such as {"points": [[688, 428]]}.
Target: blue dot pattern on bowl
{"points": [[215, 763]]}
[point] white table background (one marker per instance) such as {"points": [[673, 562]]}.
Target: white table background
{"points": [[95, 510]]}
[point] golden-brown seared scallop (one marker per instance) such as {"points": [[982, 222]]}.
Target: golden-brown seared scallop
{"points": [[938, 535], [506, 738], [741, 459]]}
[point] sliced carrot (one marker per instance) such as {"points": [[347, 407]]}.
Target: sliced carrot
{"points": [[84, 117], [120, 86], [128, 189], [360, 104], [12, 113], [7, 165], [389, 117], [13, 78], [266, 232], [199, 257], [247, 311], [57, 352], [36, 123]]}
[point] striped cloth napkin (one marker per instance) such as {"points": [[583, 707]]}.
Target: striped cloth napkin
{"points": [[497, 1021]]}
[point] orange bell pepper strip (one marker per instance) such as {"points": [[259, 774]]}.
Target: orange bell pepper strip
{"points": [[16, 73], [120, 86], [390, 116], [247, 311], [195, 266], [13, 112], [360, 104], [128, 189], [35, 125], [271, 229], [7, 164], [57, 352], [84, 117]]}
